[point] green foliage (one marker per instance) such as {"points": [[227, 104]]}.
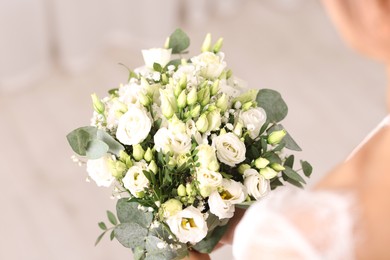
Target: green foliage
{"points": [[93, 142], [287, 141], [178, 41], [111, 217], [128, 212], [307, 168], [273, 104], [131, 234], [211, 240]]}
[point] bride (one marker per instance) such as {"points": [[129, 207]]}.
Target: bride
{"points": [[347, 215]]}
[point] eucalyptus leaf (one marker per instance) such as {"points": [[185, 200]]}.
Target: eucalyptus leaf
{"points": [[276, 183], [245, 204], [178, 41], [102, 225], [289, 162], [157, 253], [99, 238], [175, 62], [96, 149], [112, 235], [307, 168], [295, 183], [128, 212], [79, 138], [273, 104], [131, 235], [293, 175], [211, 240], [114, 146], [139, 253]]}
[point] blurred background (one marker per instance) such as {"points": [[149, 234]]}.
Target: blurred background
{"points": [[55, 53]]}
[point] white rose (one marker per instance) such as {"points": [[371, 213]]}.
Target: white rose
{"points": [[207, 158], [128, 93], [210, 64], [253, 120], [222, 203], [134, 126], [188, 225], [135, 180], [230, 149], [256, 185], [208, 180], [180, 143], [156, 55], [99, 171]]}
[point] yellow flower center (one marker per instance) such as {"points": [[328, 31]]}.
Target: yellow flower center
{"points": [[188, 223]]}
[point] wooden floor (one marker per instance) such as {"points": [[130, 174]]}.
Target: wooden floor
{"points": [[50, 212]]}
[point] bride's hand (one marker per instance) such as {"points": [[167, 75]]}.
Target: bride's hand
{"points": [[365, 24]]}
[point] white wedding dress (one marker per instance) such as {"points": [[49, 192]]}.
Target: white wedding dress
{"points": [[299, 224]]}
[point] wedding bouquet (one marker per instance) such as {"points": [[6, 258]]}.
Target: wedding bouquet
{"points": [[184, 143]]}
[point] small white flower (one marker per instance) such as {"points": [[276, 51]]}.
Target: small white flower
{"points": [[222, 203], [128, 93], [208, 180], [207, 157], [134, 126], [230, 149], [99, 171], [188, 225], [253, 120], [256, 185], [135, 180], [156, 55], [161, 245]]}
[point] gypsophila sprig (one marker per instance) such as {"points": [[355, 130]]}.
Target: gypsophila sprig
{"points": [[184, 143]]}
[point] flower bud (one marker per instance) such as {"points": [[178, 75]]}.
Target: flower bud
{"points": [[222, 102], [181, 190], [125, 158], [153, 167], [166, 43], [268, 173], [167, 106], [195, 111], [204, 96], [246, 106], [229, 73], [182, 99], [190, 189], [192, 97], [214, 120], [117, 168], [183, 61], [177, 90], [140, 194], [206, 46], [170, 208], [218, 45], [138, 152], [164, 79], [243, 167], [276, 137], [144, 99], [215, 87], [148, 156], [202, 123], [261, 163], [238, 129], [183, 81], [98, 105], [277, 167]]}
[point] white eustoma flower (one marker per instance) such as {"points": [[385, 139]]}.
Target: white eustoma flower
{"points": [[180, 143], [222, 202], [208, 181], [256, 185], [214, 119], [209, 64], [135, 180], [128, 93], [188, 71], [162, 141], [134, 126], [230, 149], [188, 225], [99, 171], [207, 157], [156, 55], [253, 119]]}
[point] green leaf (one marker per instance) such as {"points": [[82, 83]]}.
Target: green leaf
{"points": [[113, 145], [111, 217], [139, 253], [131, 235], [96, 149], [211, 240], [113, 91], [276, 183], [128, 212], [102, 225], [79, 138], [112, 235], [273, 104], [156, 253], [289, 162], [307, 168], [99, 238], [293, 175], [175, 62], [287, 141], [157, 67], [295, 183], [245, 204], [178, 41]]}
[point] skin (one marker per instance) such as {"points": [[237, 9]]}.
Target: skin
{"points": [[365, 26]]}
